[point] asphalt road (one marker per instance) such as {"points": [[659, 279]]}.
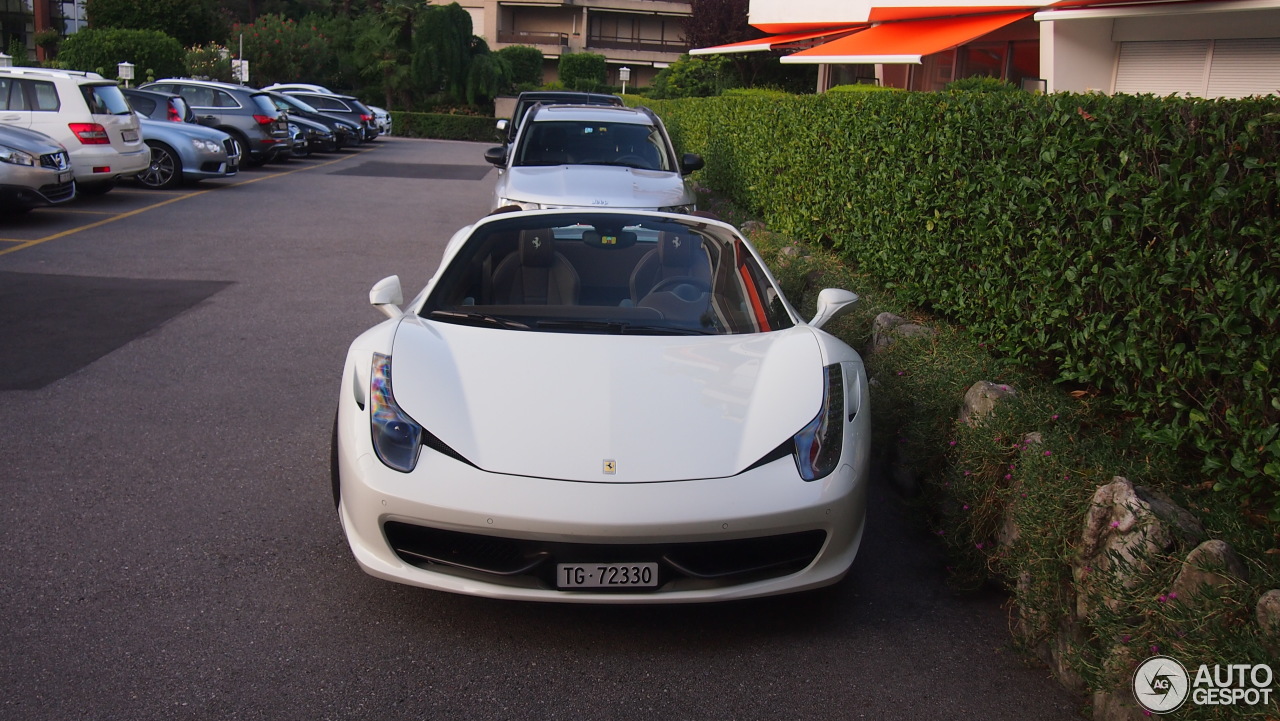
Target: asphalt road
{"points": [[169, 365]]}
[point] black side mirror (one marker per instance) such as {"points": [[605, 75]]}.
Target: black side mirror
{"points": [[690, 162], [496, 156]]}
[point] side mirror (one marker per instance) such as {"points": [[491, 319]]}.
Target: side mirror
{"points": [[833, 303], [690, 162], [386, 296], [502, 125], [496, 156]]}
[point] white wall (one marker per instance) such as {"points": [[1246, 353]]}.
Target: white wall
{"points": [[1077, 56]]}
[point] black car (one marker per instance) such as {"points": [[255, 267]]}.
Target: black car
{"points": [[527, 100], [345, 132], [312, 137], [344, 106], [246, 114]]}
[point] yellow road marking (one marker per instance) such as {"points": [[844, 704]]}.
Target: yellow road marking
{"points": [[24, 244]]}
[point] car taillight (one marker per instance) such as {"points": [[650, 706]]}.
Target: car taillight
{"points": [[366, 118], [173, 114], [90, 133], [263, 119]]}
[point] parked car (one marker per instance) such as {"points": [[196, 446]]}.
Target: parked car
{"points": [[186, 152], [159, 106], [381, 117], [312, 136], [663, 427], [246, 114], [344, 106], [584, 156], [530, 98], [84, 112], [345, 132], [35, 170]]}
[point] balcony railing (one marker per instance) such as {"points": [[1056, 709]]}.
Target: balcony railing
{"points": [[652, 46], [522, 37]]}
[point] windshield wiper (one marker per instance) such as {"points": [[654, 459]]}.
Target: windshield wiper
{"points": [[454, 316], [615, 327]]}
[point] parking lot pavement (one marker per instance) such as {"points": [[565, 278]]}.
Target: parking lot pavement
{"points": [[129, 198]]}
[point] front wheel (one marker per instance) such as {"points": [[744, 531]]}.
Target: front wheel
{"points": [[165, 170]]}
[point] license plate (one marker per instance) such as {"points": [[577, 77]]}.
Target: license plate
{"points": [[64, 176], [607, 575], [130, 136]]}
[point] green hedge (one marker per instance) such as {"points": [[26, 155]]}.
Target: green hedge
{"points": [[1127, 244], [445, 127]]}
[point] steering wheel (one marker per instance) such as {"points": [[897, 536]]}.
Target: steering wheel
{"points": [[684, 287]]}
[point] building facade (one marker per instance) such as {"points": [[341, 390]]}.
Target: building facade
{"points": [[1202, 48], [642, 35]]}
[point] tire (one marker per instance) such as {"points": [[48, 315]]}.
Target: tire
{"points": [[165, 170]]}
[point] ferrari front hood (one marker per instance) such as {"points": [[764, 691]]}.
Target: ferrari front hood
{"points": [[606, 408], [595, 186]]}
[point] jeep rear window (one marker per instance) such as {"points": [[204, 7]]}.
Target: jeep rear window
{"points": [[105, 99]]}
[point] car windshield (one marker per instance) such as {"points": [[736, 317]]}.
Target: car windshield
{"points": [[569, 142], [607, 273], [287, 102], [106, 100]]}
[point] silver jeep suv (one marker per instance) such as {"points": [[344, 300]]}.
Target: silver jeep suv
{"points": [[580, 156]]}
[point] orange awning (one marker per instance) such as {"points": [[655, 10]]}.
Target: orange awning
{"points": [[773, 41], [905, 42]]}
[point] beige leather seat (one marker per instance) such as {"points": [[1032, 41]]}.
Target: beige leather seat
{"points": [[678, 255], [535, 274]]}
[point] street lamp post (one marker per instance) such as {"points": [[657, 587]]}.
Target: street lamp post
{"points": [[124, 71], [624, 74]]}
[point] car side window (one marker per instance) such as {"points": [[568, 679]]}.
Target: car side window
{"points": [[11, 95], [144, 105], [196, 96], [223, 99], [44, 96]]}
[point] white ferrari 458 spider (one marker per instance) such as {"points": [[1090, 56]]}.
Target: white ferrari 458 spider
{"points": [[602, 407]]}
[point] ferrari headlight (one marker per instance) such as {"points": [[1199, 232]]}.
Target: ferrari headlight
{"points": [[818, 444], [397, 438]]}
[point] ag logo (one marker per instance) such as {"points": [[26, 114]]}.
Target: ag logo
{"points": [[1161, 684]]}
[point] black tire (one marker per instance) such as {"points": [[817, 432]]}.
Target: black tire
{"points": [[165, 170], [246, 160], [334, 478]]}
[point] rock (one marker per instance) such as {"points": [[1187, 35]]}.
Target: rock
{"points": [[753, 226], [1117, 706], [981, 400], [1269, 617], [887, 328], [1034, 438], [790, 251], [1213, 563], [1124, 527]]}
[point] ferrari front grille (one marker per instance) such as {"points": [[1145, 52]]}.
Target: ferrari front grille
{"points": [[523, 561]]}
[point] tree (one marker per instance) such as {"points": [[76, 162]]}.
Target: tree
{"points": [[526, 65], [102, 49], [695, 77], [489, 74], [582, 71], [720, 22], [192, 22], [442, 49], [280, 50]]}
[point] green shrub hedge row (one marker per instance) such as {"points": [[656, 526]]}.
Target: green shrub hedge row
{"points": [[442, 126], [1124, 244]]}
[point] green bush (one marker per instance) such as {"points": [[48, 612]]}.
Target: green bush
{"points": [[982, 84], [1124, 245], [582, 71], [445, 127], [526, 64], [862, 88], [695, 77], [152, 51]]}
